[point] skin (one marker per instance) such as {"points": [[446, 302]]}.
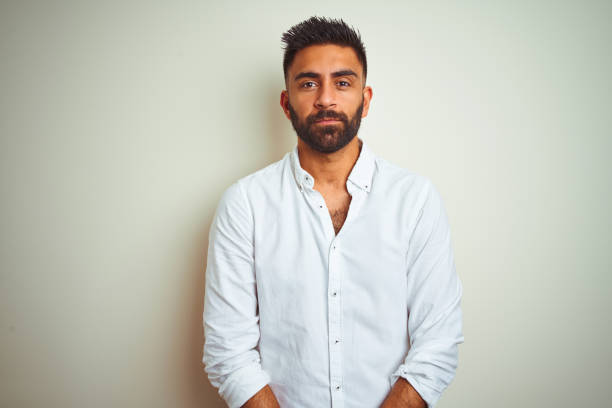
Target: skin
{"points": [[323, 89], [264, 398], [326, 91], [403, 395]]}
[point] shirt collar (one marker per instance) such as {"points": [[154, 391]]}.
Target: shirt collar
{"points": [[361, 175]]}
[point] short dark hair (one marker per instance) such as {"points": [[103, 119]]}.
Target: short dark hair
{"points": [[321, 30]]}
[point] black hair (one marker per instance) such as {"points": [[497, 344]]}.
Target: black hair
{"points": [[321, 30]]}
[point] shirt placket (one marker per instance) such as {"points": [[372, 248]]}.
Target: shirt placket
{"points": [[335, 325], [335, 274], [334, 303]]}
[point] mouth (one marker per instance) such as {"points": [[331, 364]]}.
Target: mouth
{"points": [[327, 121]]}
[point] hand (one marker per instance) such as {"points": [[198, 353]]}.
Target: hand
{"points": [[403, 395]]}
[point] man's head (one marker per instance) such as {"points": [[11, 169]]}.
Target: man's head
{"points": [[325, 71], [321, 30]]}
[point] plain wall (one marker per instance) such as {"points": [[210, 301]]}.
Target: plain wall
{"points": [[122, 123]]}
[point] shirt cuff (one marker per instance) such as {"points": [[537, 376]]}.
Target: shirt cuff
{"points": [[242, 384], [428, 394]]}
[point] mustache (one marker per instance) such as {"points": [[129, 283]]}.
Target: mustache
{"points": [[327, 114]]}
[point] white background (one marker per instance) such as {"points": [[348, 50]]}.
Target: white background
{"points": [[122, 122]]}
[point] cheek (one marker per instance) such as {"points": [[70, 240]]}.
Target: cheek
{"points": [[302, 107], [302, 101]]}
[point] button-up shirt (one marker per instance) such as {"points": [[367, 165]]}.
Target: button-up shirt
{"points": [[330, 320]]}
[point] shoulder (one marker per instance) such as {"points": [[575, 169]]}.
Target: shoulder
{"points": [[239, 192], [413, 193], [402, 180], [265, 177], [417, 196]]}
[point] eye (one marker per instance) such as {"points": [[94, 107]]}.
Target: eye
{"points": [[309, 84], [343, 83]]}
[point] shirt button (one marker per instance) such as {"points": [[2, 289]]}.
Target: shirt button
{"points": [[334, 294], [337, 387], [337, 341]]}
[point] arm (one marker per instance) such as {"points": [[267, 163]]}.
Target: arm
{"points": [[263, 399], [434, 295], [403, 395], [231, 321]]}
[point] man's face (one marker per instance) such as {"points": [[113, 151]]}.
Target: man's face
{"points": [[325, 97]]}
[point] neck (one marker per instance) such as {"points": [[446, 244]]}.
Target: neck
{"points": [[330, 169]]}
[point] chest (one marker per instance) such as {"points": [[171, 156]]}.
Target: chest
{"points": [[338, 203], [298, 260]]}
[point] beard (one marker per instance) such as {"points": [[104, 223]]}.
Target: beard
{"points": [[326, 139]]}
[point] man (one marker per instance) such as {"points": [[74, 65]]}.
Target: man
{"points": [[330, 279]]}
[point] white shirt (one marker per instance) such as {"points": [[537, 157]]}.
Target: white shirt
{"points": [[330, 320]]}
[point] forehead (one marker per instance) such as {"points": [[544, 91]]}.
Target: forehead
{"points": [[325, 58]]}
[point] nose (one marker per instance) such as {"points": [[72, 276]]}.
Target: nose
{"points": [[326, 97]]}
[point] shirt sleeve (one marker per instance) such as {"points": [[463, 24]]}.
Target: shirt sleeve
{"points": [[434, 295], [231, 322]]}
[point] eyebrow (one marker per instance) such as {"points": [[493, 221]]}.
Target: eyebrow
{"points": [[309, 74]]}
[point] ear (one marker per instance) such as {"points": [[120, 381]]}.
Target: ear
{"points": [[367, 97], [284, 103]]}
